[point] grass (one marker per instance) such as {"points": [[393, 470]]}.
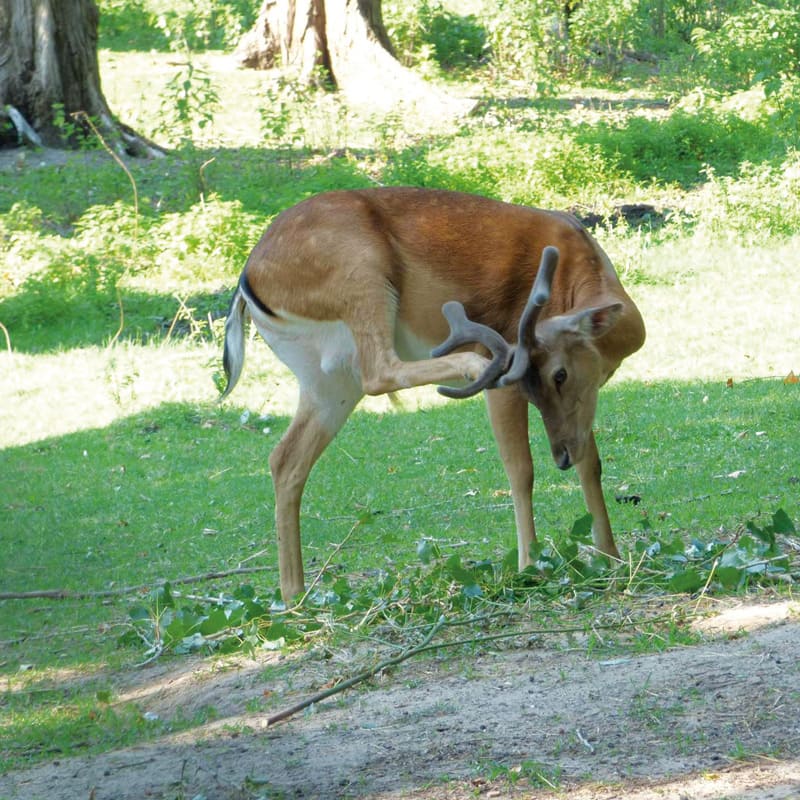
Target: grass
{"points": [[184, 488], [119, 469]]}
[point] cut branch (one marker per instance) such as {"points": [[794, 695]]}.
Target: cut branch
{"points": [[427, 645], [360, 678]]}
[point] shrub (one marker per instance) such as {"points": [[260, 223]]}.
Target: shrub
{"points": [[427, 31], [759, 44], [678, 148]]}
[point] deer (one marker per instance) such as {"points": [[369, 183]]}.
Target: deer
{"points": [[371, 291]]}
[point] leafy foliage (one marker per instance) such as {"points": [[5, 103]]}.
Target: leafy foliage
{"points": [[760, 43], [677, 149], [147, 25], [427, 32], [442, 586]]}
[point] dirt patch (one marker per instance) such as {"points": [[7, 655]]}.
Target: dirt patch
{"points": [[686, 723]]}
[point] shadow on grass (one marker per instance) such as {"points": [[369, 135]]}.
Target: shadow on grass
{"points": [[263, 180], [183, 490]]}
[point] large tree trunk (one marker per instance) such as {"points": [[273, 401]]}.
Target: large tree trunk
{"points": [[348, 39], [49, 72]]}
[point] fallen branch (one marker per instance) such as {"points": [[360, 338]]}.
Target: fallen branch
{"points": [[363, 676], [427, 646], [68, 594]]}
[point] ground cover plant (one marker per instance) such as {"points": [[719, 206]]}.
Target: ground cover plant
{"points": [[120, 470]]}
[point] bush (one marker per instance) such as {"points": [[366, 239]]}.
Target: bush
{"points": [[427, 31], [196, 25], [677, 149], [601, 30], [736, 207], [760, 44]]}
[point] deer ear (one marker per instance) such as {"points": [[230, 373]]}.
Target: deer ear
{"points": [[594, 322]]}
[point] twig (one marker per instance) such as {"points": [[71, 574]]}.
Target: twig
{"points": [[708, 583], [360, 678], [427, 646], [68, 594], [336, 550], [587, 744]]}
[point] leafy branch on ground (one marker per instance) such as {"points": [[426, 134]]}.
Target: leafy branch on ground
{"points": [[392, 604]]}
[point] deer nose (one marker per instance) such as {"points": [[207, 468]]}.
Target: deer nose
{"points": [[563, 460]]}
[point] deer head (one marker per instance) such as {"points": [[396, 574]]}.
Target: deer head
{"points": [[555, 362]]}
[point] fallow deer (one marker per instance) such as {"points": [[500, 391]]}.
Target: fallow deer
{"points": [[354, 290]]}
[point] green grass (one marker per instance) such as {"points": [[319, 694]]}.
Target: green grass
{"points": [[184, 489], [118, 468]]}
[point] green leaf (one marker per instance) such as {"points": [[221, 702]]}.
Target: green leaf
{"points": [[465, 577], [689, 580], [215, 622], [582, 529], [782, 523], [280, 630], [175, 631], [457, 572], [244, 592], [766, 535], [162, 596], [139, 614], [729, 577]]}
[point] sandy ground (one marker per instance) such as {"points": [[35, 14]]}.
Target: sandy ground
{"points": [[716, 720]]}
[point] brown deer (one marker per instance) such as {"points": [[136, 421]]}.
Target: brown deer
{"points": [[352, 289]]}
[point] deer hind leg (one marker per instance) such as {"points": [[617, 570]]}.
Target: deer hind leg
{"points": [[322, 357], [321, 412], [508, 414], [589, 471], [378, 336]]}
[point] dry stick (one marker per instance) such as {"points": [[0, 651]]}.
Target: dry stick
{"points": [[426, 646], [325, 566], [363, 676], [66, 594]]}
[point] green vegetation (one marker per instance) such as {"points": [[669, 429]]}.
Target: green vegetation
{"points": [[120, 470]]}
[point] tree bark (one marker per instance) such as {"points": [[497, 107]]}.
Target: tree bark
{"points": [[348, 39], [49, 71]]}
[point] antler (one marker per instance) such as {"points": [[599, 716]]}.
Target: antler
{"points": [[509, 363], [464, 331], [526, 338]]}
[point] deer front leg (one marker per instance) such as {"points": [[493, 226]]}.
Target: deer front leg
{"points": [[589, 471], [508, 414]]}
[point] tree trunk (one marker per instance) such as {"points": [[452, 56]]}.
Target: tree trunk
{"points": [[348, 39], [49, 72]]}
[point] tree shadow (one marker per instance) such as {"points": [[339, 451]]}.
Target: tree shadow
{"points": [[63, 186], [563, 104]]}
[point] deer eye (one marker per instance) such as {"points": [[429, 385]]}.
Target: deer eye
{"points": [[559, 378]]}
